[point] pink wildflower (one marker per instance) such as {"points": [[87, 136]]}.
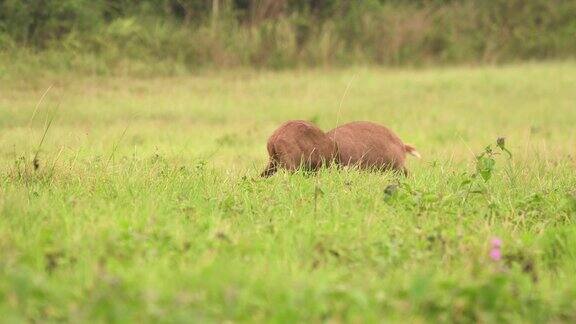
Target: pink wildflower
{"points": [[495, 254], [496, 243]]}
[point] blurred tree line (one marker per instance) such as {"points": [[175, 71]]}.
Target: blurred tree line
{"points": [[283, 33]]}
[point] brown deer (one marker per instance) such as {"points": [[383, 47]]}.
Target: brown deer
{"points": [[299, 144], [367, 145]]}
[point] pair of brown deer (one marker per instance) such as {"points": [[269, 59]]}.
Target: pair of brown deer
{"points": [[299, 144]]}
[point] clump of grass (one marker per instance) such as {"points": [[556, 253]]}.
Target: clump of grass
{"points": [[181, 228]]}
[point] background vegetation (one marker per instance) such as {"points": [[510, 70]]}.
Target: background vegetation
{"points": [[177, 36]]}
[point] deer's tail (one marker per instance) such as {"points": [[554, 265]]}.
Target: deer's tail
{"points": [[412, 151]]}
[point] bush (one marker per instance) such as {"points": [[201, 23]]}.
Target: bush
{"points": [[278, 33]]}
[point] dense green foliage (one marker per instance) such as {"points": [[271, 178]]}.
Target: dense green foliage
{"points": [[174, 36], [144, 203]]}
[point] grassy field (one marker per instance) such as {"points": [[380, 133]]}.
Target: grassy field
{"points": [[146, 206]]}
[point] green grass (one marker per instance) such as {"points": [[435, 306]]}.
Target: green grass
{"points": [[146, 205]]}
